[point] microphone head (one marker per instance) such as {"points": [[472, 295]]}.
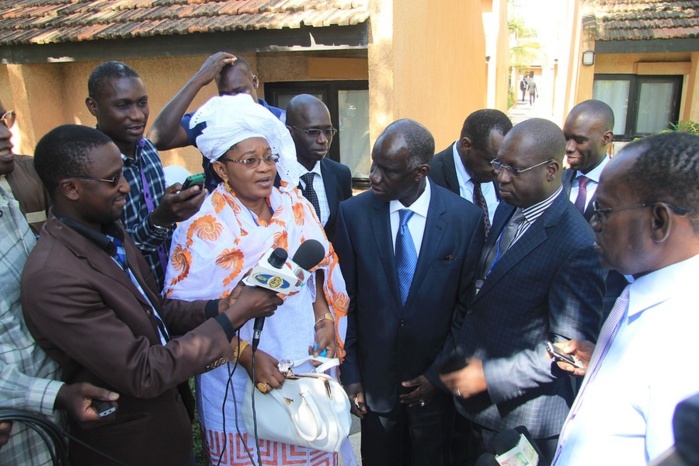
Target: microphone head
{"points": [[309, 254], [505, 441], [487, 459], [278, 258]]}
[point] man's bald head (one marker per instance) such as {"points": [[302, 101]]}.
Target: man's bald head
{"points": [[588, 130], [308, 121]]}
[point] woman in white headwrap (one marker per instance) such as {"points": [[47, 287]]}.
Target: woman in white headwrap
{"points": [[238, 223]]}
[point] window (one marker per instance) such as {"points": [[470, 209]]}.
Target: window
{"points": [[642, 105], [348, 102]]}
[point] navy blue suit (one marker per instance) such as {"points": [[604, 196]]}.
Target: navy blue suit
{"points": [[615, 282], [387, 343], [547, 286]]}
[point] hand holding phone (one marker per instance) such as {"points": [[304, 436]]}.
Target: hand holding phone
{"points": [[559, 355], [103, 408]]}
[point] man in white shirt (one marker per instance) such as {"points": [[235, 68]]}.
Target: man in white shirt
{"points": [[464, 167], [589, 131], [647, 225]]}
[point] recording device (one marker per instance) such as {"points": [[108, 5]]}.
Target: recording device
{"points": [[454, 362], [559, 355], [685, 427], [103, 408], [192, 180], [277, 273], [515, 448]]}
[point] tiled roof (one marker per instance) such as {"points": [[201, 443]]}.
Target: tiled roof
{"points": [[645, 19], [57, 21]]}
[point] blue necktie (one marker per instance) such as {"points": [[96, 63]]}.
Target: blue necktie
{"points": [[406, 256]]}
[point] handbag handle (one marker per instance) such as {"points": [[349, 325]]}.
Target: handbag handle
{"points": [[327, 363], [309, 437]]}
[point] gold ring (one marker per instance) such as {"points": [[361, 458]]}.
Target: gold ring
{"points": [[264, 387]]}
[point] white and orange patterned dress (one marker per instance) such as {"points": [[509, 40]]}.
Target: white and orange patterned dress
{"points": [[210, 253]]}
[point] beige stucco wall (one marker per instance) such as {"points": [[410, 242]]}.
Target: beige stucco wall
{"points": [[426, 62]]}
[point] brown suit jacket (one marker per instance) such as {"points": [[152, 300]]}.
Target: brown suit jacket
{"points": [[29, 191], [85, 312]]}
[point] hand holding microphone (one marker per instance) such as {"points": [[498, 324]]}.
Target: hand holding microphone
{"points": [[276, 273]]}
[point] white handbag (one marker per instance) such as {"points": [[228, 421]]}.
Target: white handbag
{"points": [[310, 410]]}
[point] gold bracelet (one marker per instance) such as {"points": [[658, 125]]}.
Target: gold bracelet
{"points": [[326, 316], [239, 348]]}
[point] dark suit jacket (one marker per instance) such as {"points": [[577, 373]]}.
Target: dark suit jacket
{"points": [[337, 179], [443, 171], [615, 282], [85, 312], [386, 343], [548, 286]]}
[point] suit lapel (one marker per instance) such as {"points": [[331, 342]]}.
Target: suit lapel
{"points": [[381, 227], [532, 238], [450, 170], [330, 183]]}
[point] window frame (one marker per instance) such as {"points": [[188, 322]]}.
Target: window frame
{"points": [[633, 103]]}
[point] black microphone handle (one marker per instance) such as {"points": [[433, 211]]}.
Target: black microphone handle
{"points": [[257, 331]]}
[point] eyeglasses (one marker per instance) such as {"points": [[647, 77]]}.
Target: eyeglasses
{"points": [[499, 167], [314, 132], [114, 181], [253, 162], [602, 213], [8, 118]]}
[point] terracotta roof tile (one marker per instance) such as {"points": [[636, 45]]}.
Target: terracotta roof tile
{"points": [[57, 21], [645, 19]]}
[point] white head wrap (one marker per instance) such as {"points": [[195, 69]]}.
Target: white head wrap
{"points": [[231, 119]]}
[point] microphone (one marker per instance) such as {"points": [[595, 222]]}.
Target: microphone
{"points": [[275, 272], [685, 424], [487, 459], [276, 260], [513, 448]]}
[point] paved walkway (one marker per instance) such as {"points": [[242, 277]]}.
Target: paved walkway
{"points": [[521, 111]]}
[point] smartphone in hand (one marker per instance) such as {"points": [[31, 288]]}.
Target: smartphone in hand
{"points": [[559, 355], [192, 180]]}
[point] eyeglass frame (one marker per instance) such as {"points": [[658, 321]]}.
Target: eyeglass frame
{"points": [[270, 159], [114, 182], [309, 132], [9, 115], [602, 213], [512, 170]]}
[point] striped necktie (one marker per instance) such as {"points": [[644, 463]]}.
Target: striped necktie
{"points": [[405, 255]]}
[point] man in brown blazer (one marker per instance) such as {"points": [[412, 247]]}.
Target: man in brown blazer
{"points": [[91, 303]]}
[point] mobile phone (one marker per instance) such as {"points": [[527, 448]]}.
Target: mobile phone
{"points": [[192, 180], [103, 408], [559, 355]]}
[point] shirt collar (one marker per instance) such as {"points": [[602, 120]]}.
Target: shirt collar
{"points": [[595, 173], [420, 206], [99, 239], [461, 173], [315, 169], [661, 285], [535, 211]]}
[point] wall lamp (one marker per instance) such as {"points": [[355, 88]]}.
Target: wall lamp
{"points": [[588, 58]]}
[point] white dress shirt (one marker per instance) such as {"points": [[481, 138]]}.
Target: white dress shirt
{"points": [[593, 175], [417, 222], [466, 186], [624, 415], [319, 188]]}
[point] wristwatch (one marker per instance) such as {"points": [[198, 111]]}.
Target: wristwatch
{"points": [[157, 228]]}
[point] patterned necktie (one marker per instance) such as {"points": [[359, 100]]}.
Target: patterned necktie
{"points": [[504, 242], [310, 193], [580, 201], [604, 342], [479, 200], [405, 255]]}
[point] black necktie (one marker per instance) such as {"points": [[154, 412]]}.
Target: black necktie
{"points": [[310, 193], [479, 200]]}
